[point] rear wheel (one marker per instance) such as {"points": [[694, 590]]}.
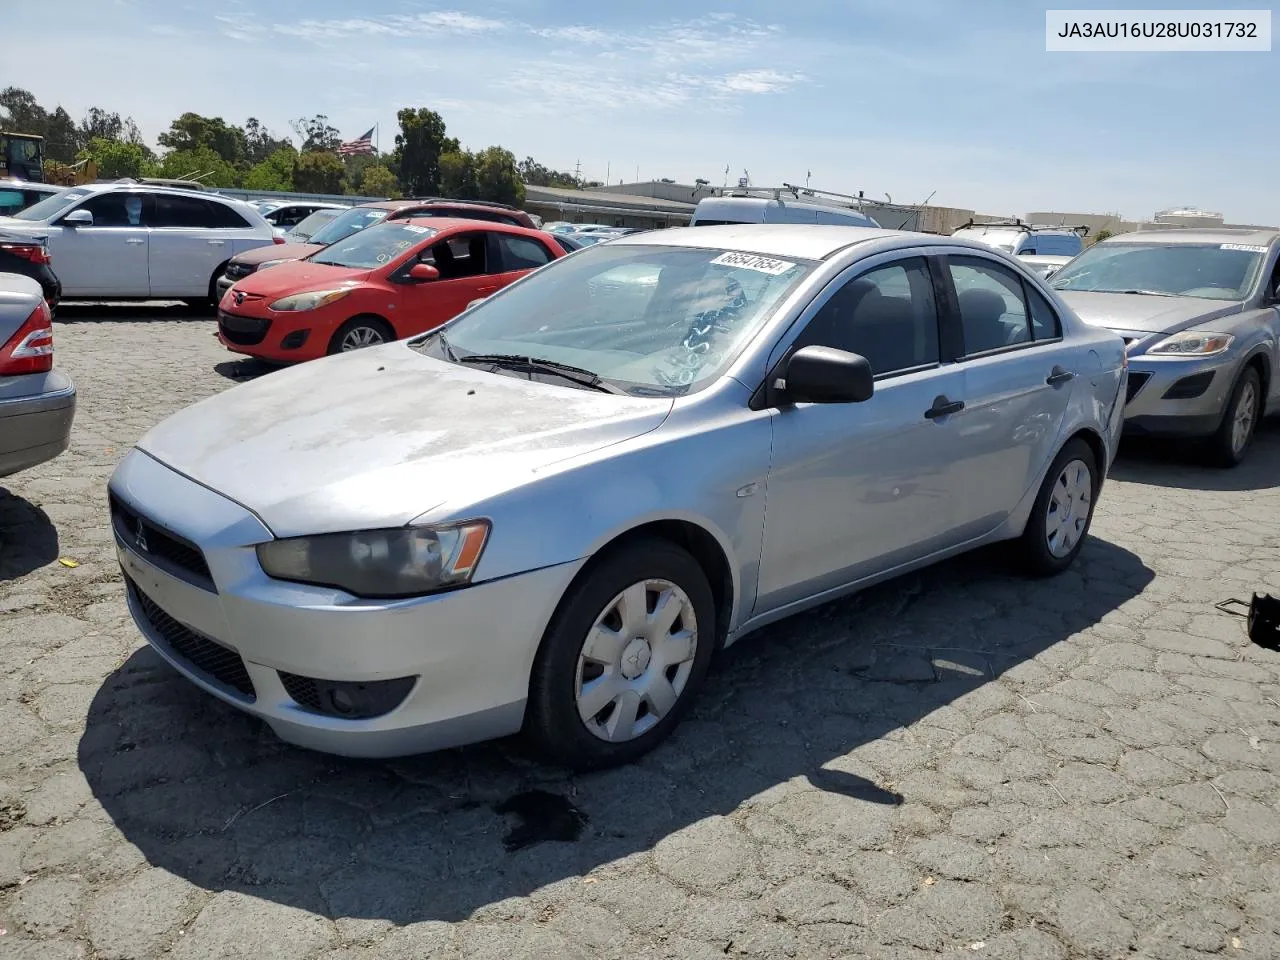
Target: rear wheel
{"points": [[360, 332], [1229, 445], [623, 657], [1063, 511]]}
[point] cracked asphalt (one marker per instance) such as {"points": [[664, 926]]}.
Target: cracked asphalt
{"points": [[962, 763]]}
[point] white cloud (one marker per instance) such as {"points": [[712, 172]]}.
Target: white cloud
{"points": [[435, 23], [758, 81]]}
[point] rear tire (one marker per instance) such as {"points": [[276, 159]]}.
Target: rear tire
{"points": [[614, 676], [1063, 511], [1230, 444], [360, 332]]}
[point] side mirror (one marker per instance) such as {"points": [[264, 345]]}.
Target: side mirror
{"points": [[422, 272], [476, 301], [818, 374], [78, 218]]}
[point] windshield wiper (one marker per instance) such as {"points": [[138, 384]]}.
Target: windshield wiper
{"points": [[1149, 293], [511, 361]]}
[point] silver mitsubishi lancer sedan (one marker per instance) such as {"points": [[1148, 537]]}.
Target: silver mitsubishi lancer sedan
{"points": [[547, 514]]}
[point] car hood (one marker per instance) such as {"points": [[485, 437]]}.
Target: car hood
{"points": [[1142, 313], [297, 277], [380, 436], [276, 251]]}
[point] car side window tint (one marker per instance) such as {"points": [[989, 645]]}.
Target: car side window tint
{"points": [[888, 315], [993, 313], [457, 257], [221, 215], [1045, 324], [521, 253], [119, 209], [173, 210]]}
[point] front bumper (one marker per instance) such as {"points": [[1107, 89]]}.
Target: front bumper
{"points": [[35, 426], [199, 597], [1179, 396]]}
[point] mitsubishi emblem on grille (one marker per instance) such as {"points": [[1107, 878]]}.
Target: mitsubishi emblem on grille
{"points": [[140, 537]]}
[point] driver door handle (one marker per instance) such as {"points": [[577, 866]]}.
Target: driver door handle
{"points": [[1058, 375], [943, 407], [135, 240]]}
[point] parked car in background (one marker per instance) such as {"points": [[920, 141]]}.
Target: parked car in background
{"points": [[303, 231], [395, 279], [17, 195], [129, 241], [37, 402], [367, 214], [1199, 311], [548, 514], [30, 257], [1045, 266], [1024, 239], [287, 214], [568, 242], [719, 210]]}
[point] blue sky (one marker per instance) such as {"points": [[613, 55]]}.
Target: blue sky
{"points": [[905, 97]]}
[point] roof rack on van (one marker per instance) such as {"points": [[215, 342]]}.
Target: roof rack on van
{"points": [[1082, 229], [796, 192]]}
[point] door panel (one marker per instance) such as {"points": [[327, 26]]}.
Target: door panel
{"points": [[1016, 397], [462, 261], [186, 246]]}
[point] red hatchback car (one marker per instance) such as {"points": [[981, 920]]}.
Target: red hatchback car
{"points": [[387, 282]]}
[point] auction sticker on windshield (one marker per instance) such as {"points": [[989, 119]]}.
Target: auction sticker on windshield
{"points": [[751, 261], [1246, 247]]}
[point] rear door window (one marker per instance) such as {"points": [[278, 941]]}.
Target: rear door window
{"points": [[459, 256], [520, 253], [175, 210]]}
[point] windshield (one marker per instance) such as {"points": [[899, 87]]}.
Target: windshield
{"points": [[374, 247], [51, 206], [304, 228], [648, 319], [1209, 271], [353, 221]]}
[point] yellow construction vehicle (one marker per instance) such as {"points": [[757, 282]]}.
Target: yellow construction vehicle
{"points": [[70, 174], [21, 156]]}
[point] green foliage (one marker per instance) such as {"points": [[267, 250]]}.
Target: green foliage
{"points": [[192, 132], [98, 124], [202, 163], [1102, 234], [378, 181], [275, 173], [536, 175], [316, 134], [318, 172], [260, 143], [356, 166], [498, 176], [20, 113], [419, 146], [116, 158], [458, 175]]}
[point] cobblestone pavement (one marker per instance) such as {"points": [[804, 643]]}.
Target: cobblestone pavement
{"points": [[962, 763]]}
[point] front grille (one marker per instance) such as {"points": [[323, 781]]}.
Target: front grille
{"points": [[167, 550], [1136, 382], [349, 700], [238, 271], [243, 331], [213, 661]]}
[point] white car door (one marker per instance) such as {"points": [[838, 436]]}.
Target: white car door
{"points": [[187, 245], [108, 257]]}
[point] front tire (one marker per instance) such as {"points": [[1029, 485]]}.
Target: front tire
{"points": [[360, 332], [623, 658], [1234, 436], [1063, 511]]}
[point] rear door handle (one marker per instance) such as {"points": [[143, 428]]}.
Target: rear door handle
{"points": [[135, 240], [943, 407], [1058, 375], [217, 243]]}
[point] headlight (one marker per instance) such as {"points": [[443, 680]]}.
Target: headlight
{"points": [[1191, 343], [273, 263], [308, 301], [405, 562]]}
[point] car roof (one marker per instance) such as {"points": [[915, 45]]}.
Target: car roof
{"points": [[808, 241], [435, 202], [156, 188], [1252, 238], [441, 224]]}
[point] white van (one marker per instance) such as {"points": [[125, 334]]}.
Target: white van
{"points": [[714, 211]]}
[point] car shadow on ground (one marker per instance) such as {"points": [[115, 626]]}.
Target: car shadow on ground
{"points": [[242, 371], [1182, 464], [28, 538], [83, 311], [210, 795]]}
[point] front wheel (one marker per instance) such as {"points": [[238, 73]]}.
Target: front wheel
{"points": [[623, 657], [360, 332], [1239, 422], [1063, 511]]}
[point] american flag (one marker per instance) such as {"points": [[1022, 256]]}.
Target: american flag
{"points": [[362, 144]]}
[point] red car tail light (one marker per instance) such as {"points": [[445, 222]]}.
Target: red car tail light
{"points": [[28, 251], [30, 349], [277, 239]]}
